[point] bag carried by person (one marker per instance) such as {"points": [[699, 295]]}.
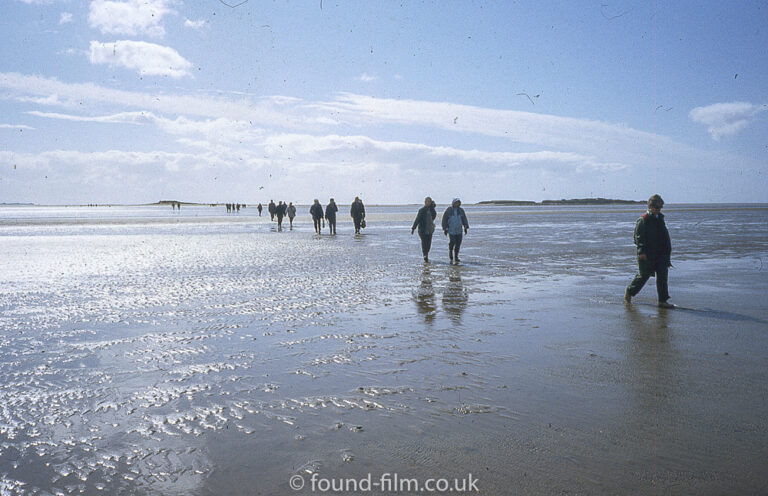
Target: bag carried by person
{"points": [[362, 224]]}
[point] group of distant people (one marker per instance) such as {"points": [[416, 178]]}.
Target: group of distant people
{"points": [[279, 211], [654, 247], [320, 215], [234, 207], [651, 236]]}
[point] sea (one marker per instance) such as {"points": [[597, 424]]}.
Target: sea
{"points": [[145, 350]]}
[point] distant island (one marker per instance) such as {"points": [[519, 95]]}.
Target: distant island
{"points": [[172, 202], [574, 201]]}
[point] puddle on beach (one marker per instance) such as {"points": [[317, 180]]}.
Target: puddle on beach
{"points": [[218, 357]]}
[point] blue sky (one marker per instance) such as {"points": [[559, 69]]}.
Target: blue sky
{"points": [[133, 101]]}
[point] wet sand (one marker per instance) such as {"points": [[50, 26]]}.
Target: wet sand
{"points": [[222, 357]]}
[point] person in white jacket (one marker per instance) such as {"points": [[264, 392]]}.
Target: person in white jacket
{"points": [[454, 220], [291, 211]]}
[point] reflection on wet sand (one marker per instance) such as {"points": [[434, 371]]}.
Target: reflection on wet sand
{"points": [[650, 359], [455, 295], [425, 296], [219, 357]]}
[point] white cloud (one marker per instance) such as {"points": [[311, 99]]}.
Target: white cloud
{"points": [[131, 17], [52, 99], [725, 119], [15, 126], [222, 130], [188, 23], [417, 155], [226, 137], [273, 111], [146, 58], [65, 18], [614, 143], [121, 118], [366, 78], [513, 139]]}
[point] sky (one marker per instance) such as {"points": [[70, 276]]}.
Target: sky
{"points": [[136, 101]]}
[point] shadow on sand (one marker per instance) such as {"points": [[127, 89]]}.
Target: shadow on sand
{"points": [[720, 315], [707, 313]]}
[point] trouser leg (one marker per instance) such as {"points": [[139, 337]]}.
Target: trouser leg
{"points": [[454, 244], [644, 272], [426, 243], [357, 224], [662, 273]]}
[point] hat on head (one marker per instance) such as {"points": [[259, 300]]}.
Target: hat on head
{"points": [[456, 200]]}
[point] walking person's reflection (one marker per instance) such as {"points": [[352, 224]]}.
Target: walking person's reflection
{"points": [[455, 296], [651, 363], [425, 296]]}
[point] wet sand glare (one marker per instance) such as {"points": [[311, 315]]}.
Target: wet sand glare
{"points": [[195, 353]]}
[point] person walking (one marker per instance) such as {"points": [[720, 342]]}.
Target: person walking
{"points": [[280, 211], [291, 211], [316, 211], [357, 211], [259, 208], [425, 223], [330, 215], [271, 209], [654, 253], [454, 219]]}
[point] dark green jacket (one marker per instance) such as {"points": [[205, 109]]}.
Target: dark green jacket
{"points": [[425, 220], [652, 238]]}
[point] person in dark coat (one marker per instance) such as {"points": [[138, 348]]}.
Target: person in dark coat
{"points": [[454, 219], [425, 223], [280, 211], [316, 211], [654, 253], [357, 211], [271, 208], [259, 208], [330, 215]]}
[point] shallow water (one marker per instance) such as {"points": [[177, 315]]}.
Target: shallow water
{"points": [[195, 352]]}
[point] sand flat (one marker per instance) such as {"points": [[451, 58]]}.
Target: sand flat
{"points": [[141, 354]]}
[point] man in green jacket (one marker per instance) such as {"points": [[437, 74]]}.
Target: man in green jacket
{"points": [[654, 250]]}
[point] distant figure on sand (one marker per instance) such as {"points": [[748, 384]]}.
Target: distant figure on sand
{"points": [[330, 216], [280, 213], [454, 219], [425, 223], [291, 211], [259, 208], [357, 211], [316, 211], [271, 209], [654, 252]]}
